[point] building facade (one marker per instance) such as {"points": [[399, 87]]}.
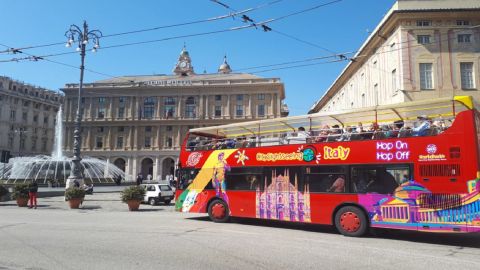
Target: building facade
{"points": [[139, 122], [27, 119], [421, 49]]}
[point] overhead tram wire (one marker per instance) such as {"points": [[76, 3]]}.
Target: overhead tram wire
{"points": [[189, 35], [221, 17], [267, 29], [38, 58]]}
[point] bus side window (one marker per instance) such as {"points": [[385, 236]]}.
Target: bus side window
{"points": [[383, 180], [326, 179], [244, 178]]}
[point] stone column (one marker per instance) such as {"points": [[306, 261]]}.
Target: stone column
{"points": [[128, 106], [200, 107], [136, 146], [157, 139], [277, 110], [180, 107], [155, 175], [90, 110], [160, 168], [249, 110], [271, 104], [134, 167], [207, 109], [130, 137], [110, 138], [227, 110], [137, 107], [110, 109], [88, 141], [158, 114], [179, 133]]}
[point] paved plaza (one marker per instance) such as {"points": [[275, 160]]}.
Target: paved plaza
{"points": [[104, 235]]}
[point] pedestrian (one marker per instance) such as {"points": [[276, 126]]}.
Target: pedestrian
{"points": [[139, 179], [118, 180], [32, 194]]}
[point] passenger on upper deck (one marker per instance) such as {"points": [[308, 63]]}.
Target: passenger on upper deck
{"points": [[302, 133], [422, 128], [346, 134], [192, 145]]}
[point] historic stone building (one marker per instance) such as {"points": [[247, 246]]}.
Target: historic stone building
{"points": [[421, 49], [139, 122], [27, 119]]}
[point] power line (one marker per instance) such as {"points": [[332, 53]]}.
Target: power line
{"points": [[297, 66], [297, 61], [37, 58], [266, 28], [221, 17], [185, 36], [304, 41]]}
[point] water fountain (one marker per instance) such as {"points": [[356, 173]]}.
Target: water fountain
{"points": [[56, 168]]}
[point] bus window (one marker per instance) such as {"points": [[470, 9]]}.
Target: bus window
{"points": [[186, 177], [383, 179], [244, 178], [326, 179]]}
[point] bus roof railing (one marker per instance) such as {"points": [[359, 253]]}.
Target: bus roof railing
{"points": [[407, 111]]}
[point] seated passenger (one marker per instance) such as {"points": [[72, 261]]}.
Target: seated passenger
{"points": [[322, 137], [301, 133], [346, 135], [193, 145], [335, 134], [338, 186], [368, 134], [423, 126], [241, 142], [230, 143]]}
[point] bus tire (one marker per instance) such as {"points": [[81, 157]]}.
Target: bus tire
{"points": [[218, 211], [351, 221]]}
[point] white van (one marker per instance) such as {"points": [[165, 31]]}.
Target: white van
{"points": [[156, 193]]}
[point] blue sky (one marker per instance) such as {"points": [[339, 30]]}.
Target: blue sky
{"points": [[339, 27]]}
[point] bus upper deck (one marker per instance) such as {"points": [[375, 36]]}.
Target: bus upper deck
{"points": [[421, 118]]}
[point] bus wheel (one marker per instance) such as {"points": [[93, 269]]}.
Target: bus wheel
{"points": [[218, 211], [351, 221]]}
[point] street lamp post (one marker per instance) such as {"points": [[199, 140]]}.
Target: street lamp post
{"points": [[82, 37]]}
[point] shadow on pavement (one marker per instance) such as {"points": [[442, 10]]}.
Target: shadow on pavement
{"points": [[8, 204], [458, 241], [275, 224], [90, 207], [150, 209]]}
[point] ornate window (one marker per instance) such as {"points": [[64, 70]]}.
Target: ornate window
{"points": [[119, 142], [466, 70], [239, 110], [190, 108], [426, 76], [148, 107], [261, 110], [218, 111]]}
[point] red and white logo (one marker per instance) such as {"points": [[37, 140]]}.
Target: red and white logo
{"points": [[431, 149], [194, 158]]}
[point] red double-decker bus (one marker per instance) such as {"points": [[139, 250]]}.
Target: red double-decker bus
{"points": [[412, 166]]}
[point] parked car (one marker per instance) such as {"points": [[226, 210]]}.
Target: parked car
{"points": [[156, 193]]}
